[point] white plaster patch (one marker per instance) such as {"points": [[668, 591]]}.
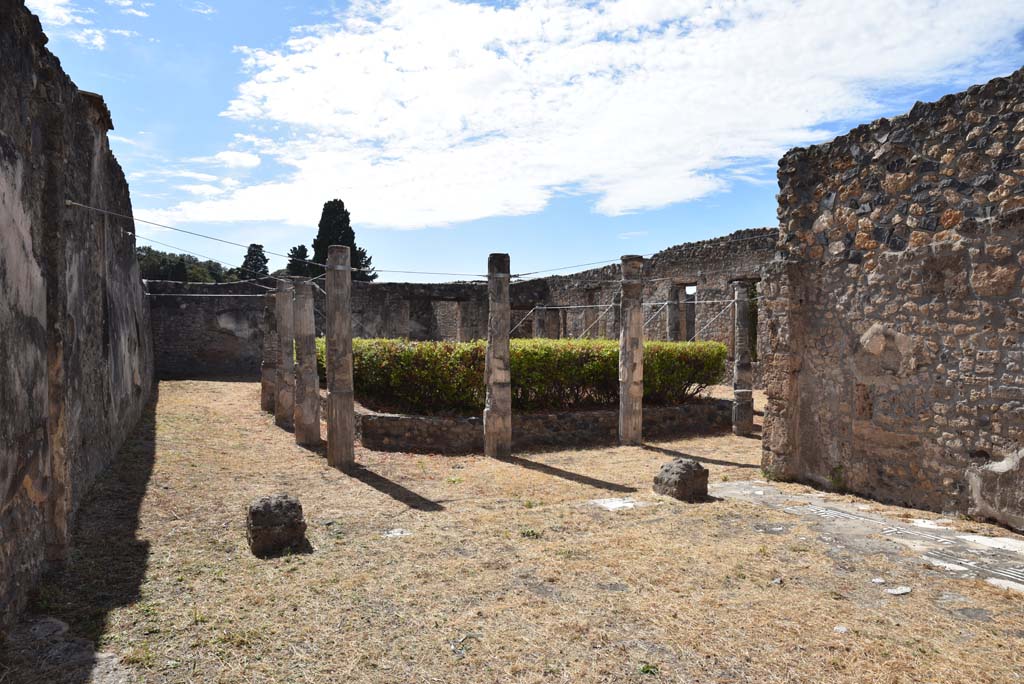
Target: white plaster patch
{"points": [[940, 524], [613, 504], [238, 325], [1006, 584], [1004, 543], [945, 565]]}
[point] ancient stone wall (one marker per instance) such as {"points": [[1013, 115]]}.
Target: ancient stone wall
{"points": [[896, 319], [199, 335], [458, 311], [77, 364], [705, 269]]}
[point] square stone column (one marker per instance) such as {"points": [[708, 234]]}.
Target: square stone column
{"points": [[341, 417], [284, 403], [307, 381], [631, 352], [742, 383], [498, 407], [271, 354]]}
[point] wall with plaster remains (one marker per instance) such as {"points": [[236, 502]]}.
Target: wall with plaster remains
{"points": [[77, 364], [200, 335], [191, 341], [896, 319], [706, 268]]}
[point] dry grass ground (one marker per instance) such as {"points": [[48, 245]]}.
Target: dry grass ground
{"points": [[507, 574]]}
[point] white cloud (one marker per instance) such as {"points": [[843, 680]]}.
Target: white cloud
{"points": [[641, 103], [64, 17], [173, 173], [632, 234], [231, 159], [90, 38], [127, 7], [202, 8], [57, 12], [202, 189]]}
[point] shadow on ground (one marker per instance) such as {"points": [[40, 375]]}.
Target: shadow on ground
{"points": [[394, 490], [566, 474], [700, 459], [59, 639]]}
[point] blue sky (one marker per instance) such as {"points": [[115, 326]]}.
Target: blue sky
{"points": [[559, 131]]}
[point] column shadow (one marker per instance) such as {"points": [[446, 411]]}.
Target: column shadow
{"points": [[566, 474], [69, 611], [394, 490], [701, 459]]}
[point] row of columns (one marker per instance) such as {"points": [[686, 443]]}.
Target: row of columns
{"points": [[290, 385], [498, 407]]}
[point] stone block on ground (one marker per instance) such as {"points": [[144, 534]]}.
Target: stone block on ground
{"points": [[684, 479], [274, 524]]}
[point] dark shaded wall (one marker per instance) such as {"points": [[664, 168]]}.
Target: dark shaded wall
{"points": [[896, 319], [207, 336], [77, 365]]}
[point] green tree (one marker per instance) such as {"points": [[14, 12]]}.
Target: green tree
{"points": [[335, 228], [157, 265], [255, 263], [297, 258]]}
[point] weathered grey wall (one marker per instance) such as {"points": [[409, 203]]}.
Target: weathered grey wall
{"points": [[896, 365], [198, 335], [709, 266], [192, 341], [77, 364]]}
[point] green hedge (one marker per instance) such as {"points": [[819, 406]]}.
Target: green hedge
{"points": [[448, 377]]}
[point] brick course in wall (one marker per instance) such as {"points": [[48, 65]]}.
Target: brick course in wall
{"points": [[896, 320]]}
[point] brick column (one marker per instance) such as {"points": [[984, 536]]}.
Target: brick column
{"points": [[742, 378], [284, 402], [498, 409], [341, 418], [631, 353], [271, 354], [307, 382]]}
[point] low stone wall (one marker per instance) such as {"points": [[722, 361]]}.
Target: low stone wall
{"points": [[535, 431]]}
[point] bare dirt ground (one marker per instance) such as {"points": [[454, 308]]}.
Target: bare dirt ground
{"points": [[465, 569]]}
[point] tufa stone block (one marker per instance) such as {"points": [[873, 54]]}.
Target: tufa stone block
{"points": [[275, 524], [684, 479]]}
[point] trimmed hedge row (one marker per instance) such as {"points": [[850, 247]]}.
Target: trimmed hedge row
{"points": [[448, 377]]}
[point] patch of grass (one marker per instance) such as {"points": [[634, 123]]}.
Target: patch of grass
{"points": [[529, 533], [648, 669]]}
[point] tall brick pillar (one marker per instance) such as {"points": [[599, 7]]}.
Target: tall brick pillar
{"points": [[742, 378], [284, 402], [307, 381], [631, 353], [271, 354], [498, 408]]}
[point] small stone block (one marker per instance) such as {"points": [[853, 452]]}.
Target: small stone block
{"points": [[275, 524], [684, 479]]}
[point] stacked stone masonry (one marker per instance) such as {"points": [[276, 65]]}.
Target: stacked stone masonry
{"points": [[896, 319], [74, 325], [204, 336]]}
